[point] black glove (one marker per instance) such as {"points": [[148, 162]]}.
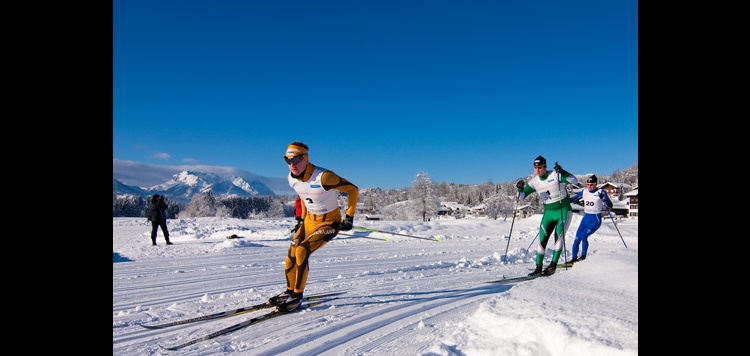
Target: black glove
{"points": [[296, 227], [345, 225], [520, 184], [559, 169], [601, 195]]}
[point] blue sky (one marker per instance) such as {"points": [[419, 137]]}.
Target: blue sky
{"points": [[466, 91]]}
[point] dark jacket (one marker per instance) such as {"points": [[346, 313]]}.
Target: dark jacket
{"points": [[157, 211]]}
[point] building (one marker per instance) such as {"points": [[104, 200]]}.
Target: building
{"points": [[524, 211], [614, 190], [632, 197]]}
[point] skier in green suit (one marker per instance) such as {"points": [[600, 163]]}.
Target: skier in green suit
{"points": [[557, 209]]}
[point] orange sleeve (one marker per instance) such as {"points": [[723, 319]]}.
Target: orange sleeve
{"points": [[331, 180]]}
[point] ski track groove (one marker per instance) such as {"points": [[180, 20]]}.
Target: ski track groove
{"points": [[394, 324]]}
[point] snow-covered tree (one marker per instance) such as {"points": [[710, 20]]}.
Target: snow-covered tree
{"points": [[423, 198], [275, 208], [130, 206], [627, 176], [398, 211], [204, 205]]}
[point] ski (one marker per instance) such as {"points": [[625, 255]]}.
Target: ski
{"points": [[238, 326], [516, 279], [228, 313], [562, 265]]}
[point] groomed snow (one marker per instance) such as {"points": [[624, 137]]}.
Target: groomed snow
{"points": [[404, 295]]}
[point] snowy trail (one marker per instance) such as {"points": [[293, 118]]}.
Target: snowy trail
{"points": [[403, 296]]}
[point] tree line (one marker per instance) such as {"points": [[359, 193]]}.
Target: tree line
{"points": [[205, 204], [420, 201]]}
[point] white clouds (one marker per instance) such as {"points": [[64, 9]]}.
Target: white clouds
{"points": [[162, 155]]}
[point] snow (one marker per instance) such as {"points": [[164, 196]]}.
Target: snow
{"points": [[404, 295]]}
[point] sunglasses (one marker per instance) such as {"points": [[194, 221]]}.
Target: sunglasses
{"points": [[295, 159]]}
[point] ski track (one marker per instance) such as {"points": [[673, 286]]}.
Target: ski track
{"points": [[378, 315], [384, 329], [358, 323]]}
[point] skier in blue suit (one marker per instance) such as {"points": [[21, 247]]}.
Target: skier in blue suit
{"points": [[591, 198]]}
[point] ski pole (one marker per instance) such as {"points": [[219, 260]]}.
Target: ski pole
{"points": [[515, 204], [563, 221], [395, 233], [532, 241], [364, 237], [613, 221]]}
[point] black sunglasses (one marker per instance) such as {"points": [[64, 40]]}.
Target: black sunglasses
{"points": [[295, 159]]}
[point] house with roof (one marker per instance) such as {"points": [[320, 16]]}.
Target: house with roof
{"points": [[524, 211], [614, 189], [632, 199], [453, 208]]}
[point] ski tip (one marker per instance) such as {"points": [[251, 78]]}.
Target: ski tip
{"points": [[152, 327], [172, 348]]}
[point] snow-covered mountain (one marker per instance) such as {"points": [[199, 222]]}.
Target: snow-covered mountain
{"points": [[186, 184], [120, 188], [184, 181]]}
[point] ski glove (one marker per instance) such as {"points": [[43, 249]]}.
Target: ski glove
{"points": [[559, 169], [520, 184], [345, 225], [296, 227]]}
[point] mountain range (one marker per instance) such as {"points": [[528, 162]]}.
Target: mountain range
{"points": [[181, 183]]}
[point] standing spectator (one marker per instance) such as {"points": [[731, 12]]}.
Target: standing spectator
{"points": [[158, 217], [557, 210], [318, 190], [591, 198]]}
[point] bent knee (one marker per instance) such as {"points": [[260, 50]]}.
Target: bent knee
{"points": [[301, 255]]}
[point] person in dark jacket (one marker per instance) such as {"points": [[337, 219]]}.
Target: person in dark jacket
{"points": [[158, 217]]}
